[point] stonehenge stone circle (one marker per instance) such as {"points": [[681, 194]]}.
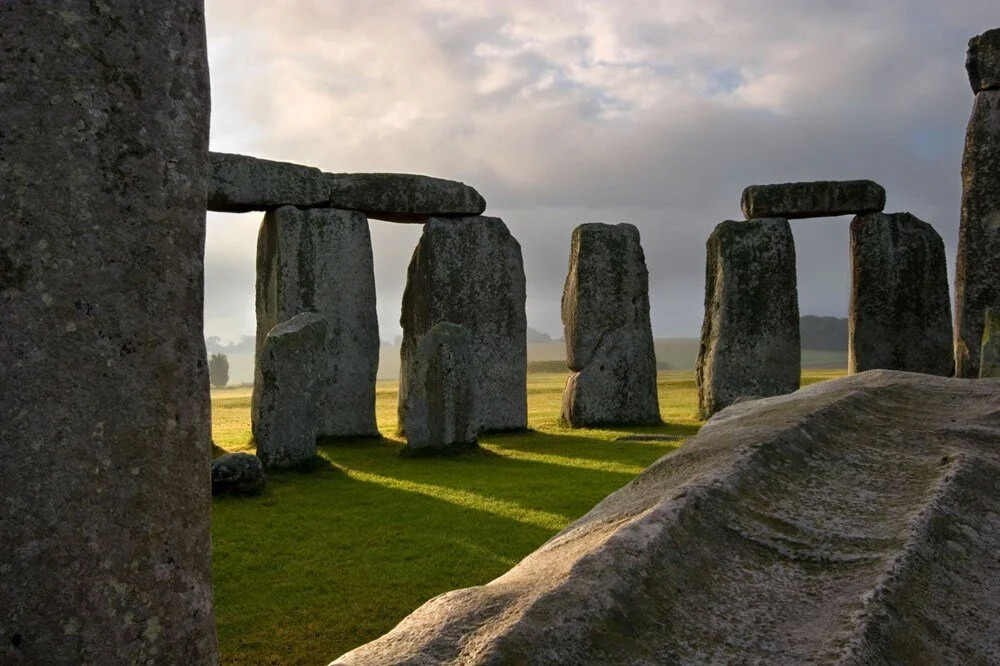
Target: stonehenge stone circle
{"points": [[320, 260], [105, 495], [237, 474], [982, 61], [825, 198], [750, 335], [856, 521], [977, 280], [609, 338], [442, 405], [900, 312], [240, 183], [286, 410], [989, 365], [469, 271]]}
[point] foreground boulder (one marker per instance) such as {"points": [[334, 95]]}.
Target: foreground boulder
{"points": [[237, 474], [469, 271], [982, 62], [292, 377], [856, 521], [989, 363], [320, 260], [442, 405], [609, 338], [900, 314], [822, 198], [240, 184], [750, 334]]}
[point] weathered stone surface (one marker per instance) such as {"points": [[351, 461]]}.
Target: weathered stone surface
{"points": [[468, 271], [750, 335], [104, 410], [237, 474], [822, 198], [982, 62], [292, 377], [989, 363], [609, 339], [854, 522], [320, 260], [900, 313], [240, 183], [403, 197], [442, 405], [977, 280]]}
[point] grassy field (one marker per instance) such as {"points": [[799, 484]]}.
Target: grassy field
{"points": [[325, 561]]}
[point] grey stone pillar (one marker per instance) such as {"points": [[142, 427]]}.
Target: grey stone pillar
{"points": [[320, 260], [900, 314], [977, 276], [468, 271], [989, 364], [609, 338], [105, 553], [750, 335]]}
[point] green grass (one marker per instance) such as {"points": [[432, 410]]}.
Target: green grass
{"points": [[323, 562]]}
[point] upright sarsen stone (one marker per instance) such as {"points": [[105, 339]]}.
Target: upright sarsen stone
{"points": [[469, 271], [900, 314], [977, 274], [320, 260], [989, 365], [292, 369], [609, 338], [105, 555], [750, 335], [442, 404]]}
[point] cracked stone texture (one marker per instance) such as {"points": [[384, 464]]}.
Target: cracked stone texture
{"points": [[240, 183], [856, 521], [977, 279], [982, 61], [105, 491], [900, 313], [989, 365], [287, 405], [750, 334], [320, 260], [469, 271], [609, 338], [822, 198], [442, 405]]}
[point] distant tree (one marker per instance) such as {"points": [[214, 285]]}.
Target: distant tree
{"points": [[218, 370]]}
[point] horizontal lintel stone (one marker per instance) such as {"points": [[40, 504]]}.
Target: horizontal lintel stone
{"points": [[822, 198], [982, 62]]}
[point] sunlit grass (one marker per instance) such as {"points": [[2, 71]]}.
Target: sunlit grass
{"points": [[325, 561]]}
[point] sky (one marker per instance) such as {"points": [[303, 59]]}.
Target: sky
{"points": [[656, 113]]}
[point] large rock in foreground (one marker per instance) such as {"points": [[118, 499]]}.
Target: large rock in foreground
{"points": [[105, 496], [609, 339], [982, 62], [977, 280], [856, 521], [469, 271], [750, 334], [900, 315], [822, 198], [240, 183], [320, 260]]}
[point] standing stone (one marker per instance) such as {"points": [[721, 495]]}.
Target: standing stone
{"points": [[977, 275], [469, 271], [442, 406], [292, 369], [989, 365], [822, 198], [750, 336], [983, 61], [900, 315], [609, 338], [105, 494], [320, 260]]}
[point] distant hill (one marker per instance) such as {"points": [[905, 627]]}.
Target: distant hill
{"points": [[823, 333]]}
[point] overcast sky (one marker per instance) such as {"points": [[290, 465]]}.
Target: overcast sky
{"points": [[656, 113]]}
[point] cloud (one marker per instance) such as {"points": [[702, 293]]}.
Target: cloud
{"points": [[653, 112]]}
